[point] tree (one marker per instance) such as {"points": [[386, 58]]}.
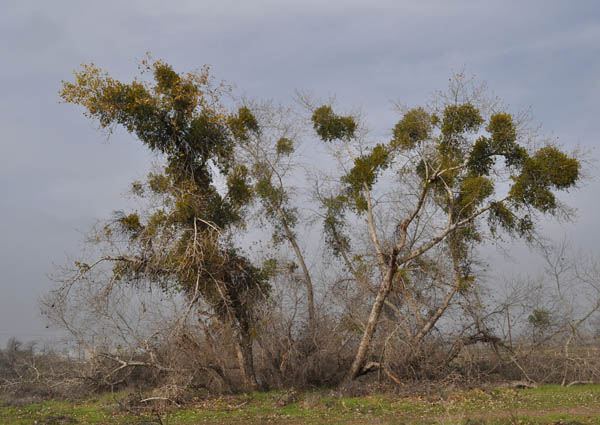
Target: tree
{"points": [[268, 157], [571, 286], [454, 165], [180, 243]]}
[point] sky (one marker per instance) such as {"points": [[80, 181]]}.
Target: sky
{"points": [[59, 174]]}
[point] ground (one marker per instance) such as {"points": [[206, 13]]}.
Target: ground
{"points": [[543, 405]]}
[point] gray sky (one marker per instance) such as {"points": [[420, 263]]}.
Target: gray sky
{"points": [[58, 174]]}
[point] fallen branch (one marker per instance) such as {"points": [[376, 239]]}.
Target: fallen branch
{"points": [[159, 398]]}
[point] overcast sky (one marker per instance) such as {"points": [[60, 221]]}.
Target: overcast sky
{"points": [[58, 174]]}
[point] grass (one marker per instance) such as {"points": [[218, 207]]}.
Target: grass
{"points": [[544, 405]]}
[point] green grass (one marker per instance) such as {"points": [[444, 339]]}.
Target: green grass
{"points": [[544, 405]]}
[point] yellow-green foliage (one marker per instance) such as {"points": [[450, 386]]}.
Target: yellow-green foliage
{"points": [[238, 186], [333, 224], [242, 123], [504, 139], [284, 146], [539, 318], [131, 223], [330, 126], [481, 158], [473, 190], [266, 190], [159, 183], [365, 171], [502, 129], [460, 119], [560, 170], [508, 220], [415, 126], [548, 169]]}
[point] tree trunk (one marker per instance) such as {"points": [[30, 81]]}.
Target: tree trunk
{"points": [[307, 280], [435, 316], [308, 283], [384, 290], [245, 357]]}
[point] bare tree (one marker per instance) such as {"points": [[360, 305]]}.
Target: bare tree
{"points": [[574, 285]]}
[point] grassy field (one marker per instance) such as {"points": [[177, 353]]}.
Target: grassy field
{"points": [[544, 405]]}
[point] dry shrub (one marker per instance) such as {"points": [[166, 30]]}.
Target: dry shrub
{"points": [[28, 375], [304, 359], [189, 361], [193, 365]]}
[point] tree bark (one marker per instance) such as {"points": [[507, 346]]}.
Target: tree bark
{"points": [[384, 290], [245, 357], [307, 280]]}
